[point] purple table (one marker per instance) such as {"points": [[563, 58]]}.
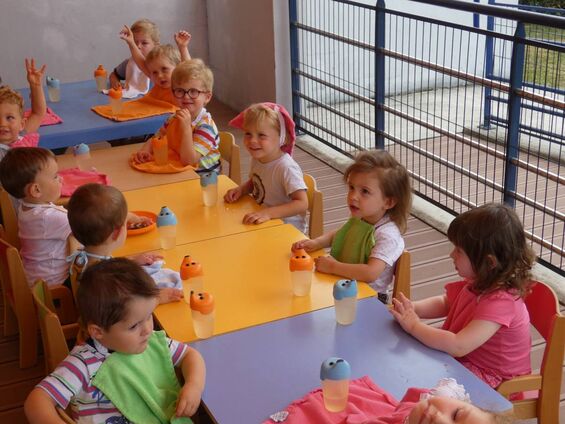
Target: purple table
{"points": [[81, 124], [255, 372]]}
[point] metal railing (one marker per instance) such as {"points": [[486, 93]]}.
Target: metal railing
{"points": [[412, 76]]}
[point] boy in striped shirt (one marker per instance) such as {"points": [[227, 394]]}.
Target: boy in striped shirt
{"points": [[116, 299]]}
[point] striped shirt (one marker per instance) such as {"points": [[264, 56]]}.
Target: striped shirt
{"points": [[71, 383]]}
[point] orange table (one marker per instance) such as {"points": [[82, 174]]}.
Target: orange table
{"points": [[249, 277], [195, 221]]}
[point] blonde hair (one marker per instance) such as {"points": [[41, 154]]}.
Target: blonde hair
{"points": [[193, 69], [393, 179], [164, 50], [8, 95], [258, 113], [147, 27]]}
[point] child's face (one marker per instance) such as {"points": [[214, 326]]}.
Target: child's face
{"points": [[365, 198], [191, 95], [462, 263], [131, 334], [11, 122], [161, 70], [262, 142], [48, 182], [444, 410], [143, 42]]}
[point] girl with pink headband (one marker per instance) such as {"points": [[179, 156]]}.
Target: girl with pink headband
{"points": [[275, 179]]}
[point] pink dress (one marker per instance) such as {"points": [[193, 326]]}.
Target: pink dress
{"points": [[27, 140]]}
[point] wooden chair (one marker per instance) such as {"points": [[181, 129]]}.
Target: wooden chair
{"points": [[543, 307], [53, 334], [9, 219], [315, 208], [402, 276], [229, 151]]}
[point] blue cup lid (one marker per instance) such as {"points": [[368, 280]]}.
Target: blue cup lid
{"points": [[345, 288], [53, 82], [81, 149], [335, 369], [166, 217], [208, 178]]}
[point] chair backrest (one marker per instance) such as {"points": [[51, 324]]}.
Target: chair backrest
{"points": [[543, 307], [9, 219], [229, 151], [402, 275], [54, 343], [315, 207]]}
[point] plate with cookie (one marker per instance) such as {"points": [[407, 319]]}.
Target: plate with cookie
{"points": [[142, 227]]}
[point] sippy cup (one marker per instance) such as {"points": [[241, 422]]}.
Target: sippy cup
{"points": [[209, 184], [301, 266], [53, 89], [167, 227], [202, 307], [115, 100], [335, 373], [345, 299], [81, 152], [100, 77], [192, 271], [160, 148]]}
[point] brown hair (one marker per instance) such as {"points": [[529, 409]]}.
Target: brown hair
{"points": [[8, 95], [393, 179], [258, 113], [164, 50], [193, 69], [95, 211], [148, 27], [20, 167], [494, 230], [107, 287]]}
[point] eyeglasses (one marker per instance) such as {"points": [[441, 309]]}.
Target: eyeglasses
{"points": [[193, 93]]}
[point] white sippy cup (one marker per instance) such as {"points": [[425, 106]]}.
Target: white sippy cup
{"points": [[160, 147], [115, 100], [301, 267], [345, 299], [167, 227], [335, 374], [53, 89], [209, 184], [81, 152], [202, 307], [191, 271], [100, 75]]}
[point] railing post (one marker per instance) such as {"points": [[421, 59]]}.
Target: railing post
{"points": [[514, 112], [489, 71], [380, 75], [294, 63]]}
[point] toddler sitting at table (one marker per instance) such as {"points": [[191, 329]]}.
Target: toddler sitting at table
{"points": [[12, 121], [191, 132], [98, 218], [30, 174], [123, 362]]}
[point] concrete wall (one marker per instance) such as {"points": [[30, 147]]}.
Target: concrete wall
{"points": [[73, 37]]}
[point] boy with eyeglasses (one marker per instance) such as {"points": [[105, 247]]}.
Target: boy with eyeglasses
{"points": [[191, 133]]}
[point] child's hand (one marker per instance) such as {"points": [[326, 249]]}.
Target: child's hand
{"points": [[115, 81], [189, 399], [185, 119], [256, 217], [182, 38], [168, 295], [127, 35], [403, 311], [133, 219], [325, 264], [34, 76], [142, 156], [233, 195], [306, 244], [147, 258]]}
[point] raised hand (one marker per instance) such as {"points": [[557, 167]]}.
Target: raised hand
{"points": [[34, 76]]}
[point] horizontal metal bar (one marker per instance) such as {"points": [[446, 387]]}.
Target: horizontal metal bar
{"points": [[552, 111], [333, 36], [326, 130]]}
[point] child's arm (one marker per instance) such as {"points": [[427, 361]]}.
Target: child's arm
{"points": [[194, 373], [458, 344], [118, 74], [297, 204], [139, 59], [432, 307], [188, 155], [38, 104], [325, 240], [182, 38], [234, 194], [363, 272], [40, 408]]}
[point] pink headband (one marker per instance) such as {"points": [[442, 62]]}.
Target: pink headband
{"points": [[286, 124]]}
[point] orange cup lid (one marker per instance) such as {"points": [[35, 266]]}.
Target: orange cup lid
{"points": [[189, 268], [301, 261], [100, 71], [157, 141], [115, 94], [202, 302]]}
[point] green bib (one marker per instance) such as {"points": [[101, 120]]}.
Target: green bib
{"points": [[353, 242]]}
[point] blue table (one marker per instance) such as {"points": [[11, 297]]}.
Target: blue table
{"points": [[258, 371], [81, 124]]}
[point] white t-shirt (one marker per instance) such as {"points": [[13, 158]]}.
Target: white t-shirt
{"points": [[275, 181]]}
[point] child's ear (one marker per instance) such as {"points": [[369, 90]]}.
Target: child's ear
{"points": [[95, 331], [32, 190], [208, 97], [492, 261], [390, 202], [116, 233]]}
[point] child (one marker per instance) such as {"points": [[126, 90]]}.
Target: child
{"points": [[368, 245], [276, 180], [487, 326], [191, 132], [12, 121], [30, 174], [101, 230], [116, 300]]}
